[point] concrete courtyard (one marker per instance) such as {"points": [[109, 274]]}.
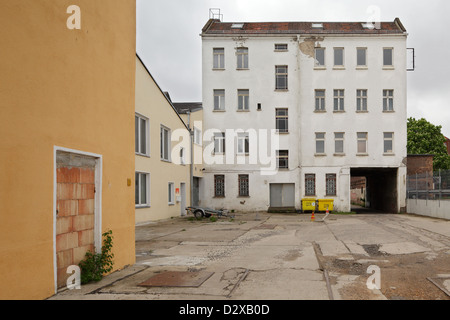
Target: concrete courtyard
{"points": [[261, 256]]}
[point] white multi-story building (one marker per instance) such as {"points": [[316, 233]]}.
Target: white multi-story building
{"points": [[323, 101]]}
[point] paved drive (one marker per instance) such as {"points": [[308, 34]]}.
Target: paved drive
{"points": [[262, 256]]}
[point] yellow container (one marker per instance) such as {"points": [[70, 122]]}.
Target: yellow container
{"points": [[308, 204], [325, 204]]}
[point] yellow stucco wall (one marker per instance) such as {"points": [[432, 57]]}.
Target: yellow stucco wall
{"points": [[67, 88], [152, 104]]}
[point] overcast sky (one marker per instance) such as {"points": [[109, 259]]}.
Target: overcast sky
{"points": [[168, 41]]}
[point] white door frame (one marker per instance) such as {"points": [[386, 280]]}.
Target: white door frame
{"points": [[97, 205]]}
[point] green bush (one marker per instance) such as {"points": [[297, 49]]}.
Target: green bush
{"points": [[95, 265]]}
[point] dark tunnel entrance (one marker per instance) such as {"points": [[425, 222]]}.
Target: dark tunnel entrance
{"points": [[379, 188]]}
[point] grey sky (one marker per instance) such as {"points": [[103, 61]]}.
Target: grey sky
{"points": [[168, 41]]}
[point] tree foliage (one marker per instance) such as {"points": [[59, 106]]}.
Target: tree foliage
{"points": [[426, 138]]}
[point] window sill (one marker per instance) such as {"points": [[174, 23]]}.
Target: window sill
{"points": [[362, 111], [142, 155], [389, 154], [388, 111], [242, 69], [362, 68], [338, 111], [243, 154], [320, 111], [320, 154], [218, 110], [339, 155], [142, 206], [243, 197], [362, 154], [218, 69], [282, 132], [339, 68], [164, 160], [171, 204], [320, 68], [219, 197], [388, 68], [238, 110], [281, 90], [283, 169]]}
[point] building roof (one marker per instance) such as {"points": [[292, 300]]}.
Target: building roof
{"points": [[184, 107], [216, 27]]}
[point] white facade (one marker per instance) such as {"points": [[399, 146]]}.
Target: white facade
{"points": [[304, 77]]}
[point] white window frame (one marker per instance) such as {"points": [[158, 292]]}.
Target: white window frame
{"points": [[338, 100], [219, 143], [243, 99], [165, 145], [284, 118], [281, 47], [197, 136], [339, 137], [242, 58], [171, 193], [320, 101], [362, 100], [387, 139], [279, 75], [320, 138], [138, 135], [243, 143], [388, 100], [218, 59], [392, 58], [244, 185], [363, 139], [216, 187], [318, 63], [335, 50], [219, 99], [365, 58], [285, 157], [146, 175]]}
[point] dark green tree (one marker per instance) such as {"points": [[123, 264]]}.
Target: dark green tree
{"points": [[426, 138]]}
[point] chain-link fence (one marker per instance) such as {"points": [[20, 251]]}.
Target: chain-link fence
{"points": [[429, 186]]}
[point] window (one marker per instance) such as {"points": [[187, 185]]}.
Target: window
{"points": [[218, 58], [339, 143], [142, 194], [320, 57], [243, 99], [219, 185], [219, 142], [281, 47], [320, 100], [243, 182], [339, 100], [182, 160], [361, 100], [310, 184], [281, 120], [283, 159], [388, 100], [281, 77], [362, 142], [361, 57], [320, 143], [197, 136], [388, 60], [171, 193], [338, 57], [388, 142], [140, 135], [330, 184], [165, 143], [242, 58], [243, 143], [219, 100]]}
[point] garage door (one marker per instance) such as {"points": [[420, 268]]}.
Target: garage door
{"points": [[282, 195]]}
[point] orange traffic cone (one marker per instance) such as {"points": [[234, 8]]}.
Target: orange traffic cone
{"points": [[312, 217]]}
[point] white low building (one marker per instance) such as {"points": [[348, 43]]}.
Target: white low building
{"points": [[293, 110]]}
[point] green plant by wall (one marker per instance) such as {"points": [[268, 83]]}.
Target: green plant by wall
{"points": [[95, 265]]}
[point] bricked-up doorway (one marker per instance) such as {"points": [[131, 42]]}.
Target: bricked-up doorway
{"points": [[77, 214]]}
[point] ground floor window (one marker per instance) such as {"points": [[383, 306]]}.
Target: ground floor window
{"points": [[219, 186], [171, 193], [310, 185], [142, 197], [243, 185], [331, 184]]}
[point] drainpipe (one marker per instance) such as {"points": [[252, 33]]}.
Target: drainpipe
{"points": [[191, 180]]}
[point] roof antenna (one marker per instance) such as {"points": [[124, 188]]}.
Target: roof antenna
{"points": [[214, 13]]}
